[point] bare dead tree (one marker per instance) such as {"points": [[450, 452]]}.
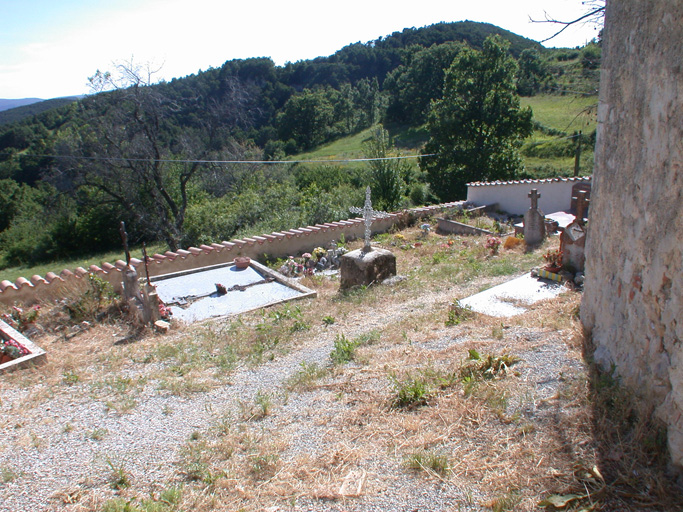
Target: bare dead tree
{"points": [[131, 152], [595, 14]]}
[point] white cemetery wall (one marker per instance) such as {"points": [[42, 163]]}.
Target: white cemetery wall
{"points": [[511, 196], [633, 295]]}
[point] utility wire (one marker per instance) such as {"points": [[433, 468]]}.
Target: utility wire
{"points": [[120, 159]]}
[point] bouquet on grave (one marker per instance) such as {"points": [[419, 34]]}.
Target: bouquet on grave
{"points": [[12, 348], [553, 259], [21, 319]]}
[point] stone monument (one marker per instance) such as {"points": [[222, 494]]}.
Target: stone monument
{"points": [[367, 265], [534, 221], [573, 238]]}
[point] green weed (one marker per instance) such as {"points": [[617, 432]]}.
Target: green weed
{"points": [[263, 465], [457, 313], [411, 391], [489, 367], [69, 377], [428, 460], [306, 377], [118, 476], [343, 350], [261, 407]]}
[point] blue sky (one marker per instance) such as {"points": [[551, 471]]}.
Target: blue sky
{"points": [[48, 48]]}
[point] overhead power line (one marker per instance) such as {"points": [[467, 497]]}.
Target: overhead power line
{"points": [[121, 159]]}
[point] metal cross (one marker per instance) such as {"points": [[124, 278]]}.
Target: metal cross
{"points": [[535, 196], [368, 216]]}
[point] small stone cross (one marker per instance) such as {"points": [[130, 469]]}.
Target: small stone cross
{"points": [[581, 206], [368, 216], [535, 196]]}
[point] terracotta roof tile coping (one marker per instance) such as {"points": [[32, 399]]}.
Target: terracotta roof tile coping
{"points": [[520, 182], [21, 282], [228, 245], [135, 262], [207, 248], [250, 241], [51, 276], [239, 242], [36, 279], [107, 267], [270, 238], [218, 247], [183, 253], [195, 250], [4, 285], [80, 272], [66, 273], [95, 269]]}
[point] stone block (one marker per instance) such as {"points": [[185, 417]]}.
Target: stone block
{"points": [[359, 268]]}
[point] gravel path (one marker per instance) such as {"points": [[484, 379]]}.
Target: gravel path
{"points": [[75, 441]]}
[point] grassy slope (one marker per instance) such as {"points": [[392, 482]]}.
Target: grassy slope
{"points": [[567, 114]]}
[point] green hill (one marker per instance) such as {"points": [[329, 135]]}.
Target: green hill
{"points": [[16, 114]]}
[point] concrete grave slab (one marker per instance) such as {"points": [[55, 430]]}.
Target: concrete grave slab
{"points": [[510, 298], [192, 295]]}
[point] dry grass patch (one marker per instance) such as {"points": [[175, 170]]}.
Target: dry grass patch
{"points": [[380, 397]]}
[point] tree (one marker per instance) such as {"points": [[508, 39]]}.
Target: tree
{"points": [[419, 81], [306, 119], [388, 184], [129, 152], [532, 72], [477, 127]]}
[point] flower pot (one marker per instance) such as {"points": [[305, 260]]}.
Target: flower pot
{"points": [[4, 358], [242, 262]]}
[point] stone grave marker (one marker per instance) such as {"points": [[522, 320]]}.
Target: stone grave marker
{"points": [[534, 221], [573, 238], [367, 265]]}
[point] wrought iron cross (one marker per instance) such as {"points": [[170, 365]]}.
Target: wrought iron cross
{"points": [[535, 196], [368, 216]]}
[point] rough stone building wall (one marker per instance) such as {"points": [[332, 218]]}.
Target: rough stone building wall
{"points": [[633, 300]]}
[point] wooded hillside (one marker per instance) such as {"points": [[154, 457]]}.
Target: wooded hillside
{"points": [[161, 156]]}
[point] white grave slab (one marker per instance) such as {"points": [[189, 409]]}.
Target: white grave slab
{"points": [[192, 296], [509, 299]]}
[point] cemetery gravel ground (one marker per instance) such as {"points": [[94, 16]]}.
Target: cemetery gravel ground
{"points": [[252, 414]]}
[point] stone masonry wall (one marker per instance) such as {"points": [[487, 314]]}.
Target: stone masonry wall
{"points": [[633, 301]]}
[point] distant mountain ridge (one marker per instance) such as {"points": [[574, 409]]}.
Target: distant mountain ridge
{"points": [[30, 107], [8, 104]]}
